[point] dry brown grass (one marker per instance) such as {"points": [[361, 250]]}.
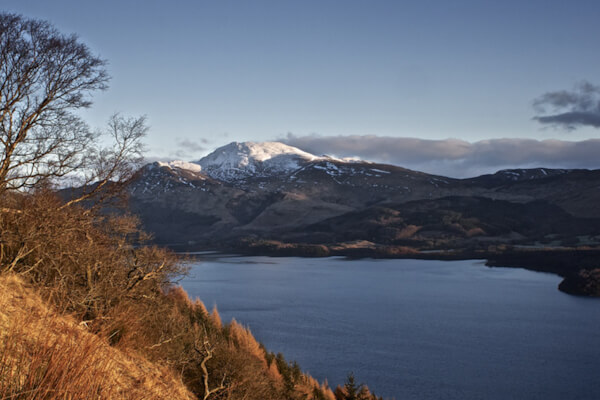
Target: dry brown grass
{"points": [[112, 325], [47, 356]]}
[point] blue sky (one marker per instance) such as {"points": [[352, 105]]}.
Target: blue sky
{"points": [[210, 72]]}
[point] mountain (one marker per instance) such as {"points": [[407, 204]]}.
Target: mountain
{"points": [[237, 161], [270, 198], [271, 191], [517, 175]]}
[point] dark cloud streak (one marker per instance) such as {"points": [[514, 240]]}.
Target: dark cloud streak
{"points": [[189, 145], [572, 120], [570, 109]]}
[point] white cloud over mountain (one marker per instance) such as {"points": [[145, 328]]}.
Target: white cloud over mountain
{"points": [[454, 157]]}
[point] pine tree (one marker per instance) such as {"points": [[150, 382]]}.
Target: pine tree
{"points": [[350, 388]]}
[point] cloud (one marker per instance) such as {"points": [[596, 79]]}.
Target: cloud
{"points": [[186, 149], [189, 145], [570, 109], [181, 149], [152, 158], [571, 120], [453, 157]]}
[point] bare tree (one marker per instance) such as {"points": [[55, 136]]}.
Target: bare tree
{"points": [[206, 352], [108, 169], [45, 77]]}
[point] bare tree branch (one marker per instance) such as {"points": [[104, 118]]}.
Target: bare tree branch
{"points": [[112, 168], [45, 77], [206, 352]]}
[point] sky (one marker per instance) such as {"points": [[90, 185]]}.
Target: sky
{"points": [[449, 87]]}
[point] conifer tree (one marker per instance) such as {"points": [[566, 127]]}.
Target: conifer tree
{"points": [[350, 388]]}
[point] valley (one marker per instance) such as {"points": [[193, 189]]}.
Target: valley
{"points": [[270, 198]]}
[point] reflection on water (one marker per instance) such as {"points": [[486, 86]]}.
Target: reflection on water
{"points": [[414, 329]]}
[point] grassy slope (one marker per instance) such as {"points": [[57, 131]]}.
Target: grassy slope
{"points": [[114, 326], [45, 355]]}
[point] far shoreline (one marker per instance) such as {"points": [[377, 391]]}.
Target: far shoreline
{"points": [[579, 268]]}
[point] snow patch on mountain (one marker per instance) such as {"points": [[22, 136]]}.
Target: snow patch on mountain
{"points": [[178, 164], [237, 161], [528, 174]]}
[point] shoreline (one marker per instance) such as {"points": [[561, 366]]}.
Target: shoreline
{"points": [[579, 268]]}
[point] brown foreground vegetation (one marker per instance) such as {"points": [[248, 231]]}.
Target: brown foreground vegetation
{"points": [[45, 355], [89, 312]]}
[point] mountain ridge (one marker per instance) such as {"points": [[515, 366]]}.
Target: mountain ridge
{"points": [[240, 160], [245, 159], [302, 204], [241, 196]]}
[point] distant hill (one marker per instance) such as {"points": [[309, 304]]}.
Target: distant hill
{"points": [[272, 191]]}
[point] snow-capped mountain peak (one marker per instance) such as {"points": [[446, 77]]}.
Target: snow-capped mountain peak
{"points": [[240, 160], [182, 165]]}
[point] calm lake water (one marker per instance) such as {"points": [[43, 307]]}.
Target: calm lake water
{"points": [[414, 329]]}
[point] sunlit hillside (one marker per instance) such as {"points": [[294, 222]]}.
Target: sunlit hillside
{"points": [[45, 355]]}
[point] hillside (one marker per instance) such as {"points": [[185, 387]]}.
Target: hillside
{"points": [[270, 198], [95, 314], [44, 355], [270, 190]]}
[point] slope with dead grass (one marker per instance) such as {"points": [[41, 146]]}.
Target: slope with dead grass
{"points": [[44, 355]]}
